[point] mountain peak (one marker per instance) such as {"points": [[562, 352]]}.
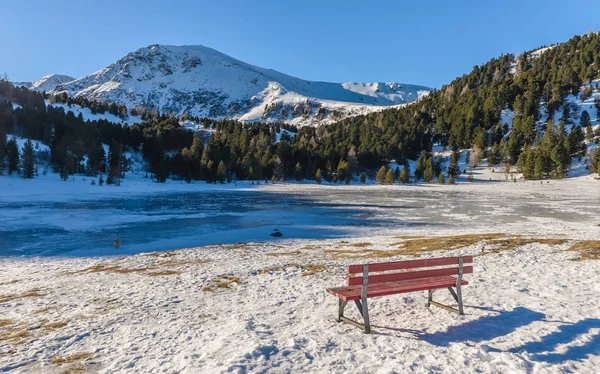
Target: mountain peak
{"points": [[205, 82]]}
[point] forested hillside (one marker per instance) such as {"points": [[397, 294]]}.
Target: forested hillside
{"points": [[542, 137]]}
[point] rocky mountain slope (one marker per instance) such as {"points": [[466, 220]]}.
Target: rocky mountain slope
{"points": [[204, 82], [47, 83]]}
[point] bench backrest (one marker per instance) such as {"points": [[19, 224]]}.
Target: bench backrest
{"points": [[409, 270]]}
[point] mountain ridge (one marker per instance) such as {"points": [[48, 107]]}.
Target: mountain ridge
{"points": [[202, 81]]}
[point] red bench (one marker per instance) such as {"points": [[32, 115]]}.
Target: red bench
{"points": [[390, 278]]}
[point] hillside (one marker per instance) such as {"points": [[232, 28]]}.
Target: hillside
{"points": [[47, 83], [203, 82], [533, 116]]}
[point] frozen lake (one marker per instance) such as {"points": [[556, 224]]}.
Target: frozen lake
{"points": [[171, 220]]}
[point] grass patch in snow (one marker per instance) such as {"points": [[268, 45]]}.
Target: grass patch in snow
{"points": [[10, 282], [31, 293], [307, 269], [509, 244], [588, 250], [416, 246], [152, 270], [44, 310], [6, 322], [358, 245], [223, 282], [15, 334], [163, 272], [292, 253], [61, 360]]}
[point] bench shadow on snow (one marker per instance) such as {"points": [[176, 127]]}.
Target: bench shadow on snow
{"points": [[487, 328]]}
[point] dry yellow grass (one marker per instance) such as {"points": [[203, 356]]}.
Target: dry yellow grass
{"points": [[358, 245], [508, 244], [307, 269], [225, 281], [152, 270], [6, 322], [44, 310], [417, 245], [163, 272], [53, 325], [61, 360], [15, 334], [77, 369], [588, 250], [19, 333], [291, 253], [31, 293]]}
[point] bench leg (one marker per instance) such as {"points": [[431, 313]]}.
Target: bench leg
{"points": [[429, 298], [459, 299], [341, 306], [365, 314]]}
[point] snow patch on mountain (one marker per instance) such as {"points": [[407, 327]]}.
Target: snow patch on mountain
{"points": [[202, 81]]}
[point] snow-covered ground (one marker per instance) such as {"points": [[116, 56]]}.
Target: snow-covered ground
{"points": [[262, 307], [89, 116]]}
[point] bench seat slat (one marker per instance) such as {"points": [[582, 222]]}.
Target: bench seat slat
{"points": [[409, 264], [408, 275], [383, 289]]}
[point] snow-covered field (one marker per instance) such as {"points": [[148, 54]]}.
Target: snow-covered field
{"points": [[262, 306]]}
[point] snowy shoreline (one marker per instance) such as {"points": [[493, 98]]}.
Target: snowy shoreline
{"points": [[262, 307]]}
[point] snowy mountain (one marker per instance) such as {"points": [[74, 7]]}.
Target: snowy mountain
{"points": [[202, 81], [47, 83]]}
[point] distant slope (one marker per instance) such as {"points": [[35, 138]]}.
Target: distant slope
{"points": [[202, 81], [49, 82]]}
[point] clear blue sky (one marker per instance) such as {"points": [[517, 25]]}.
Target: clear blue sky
{"points": [[421, 42]]}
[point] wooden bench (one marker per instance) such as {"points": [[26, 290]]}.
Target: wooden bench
{"points": [[390, 278]]}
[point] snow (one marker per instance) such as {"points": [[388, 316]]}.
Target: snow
{"points": [[38, 146], [50, 82], [528, 310], [204, 82], [89, 116]]}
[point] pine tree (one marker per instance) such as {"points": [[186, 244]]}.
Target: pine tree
{"points": [[428, 174], [221, 172], [453, 169], [298, 172], [404, 176], [389, 177], [12, 153], [64, 174], [441, 179], [450, 179], [27, 160], [318, 176], [363, 178], [584, 119], [529, 169], [538, 171], [2, 151], [421, 165], [380, 177], [100, 180], [343, 171], [589, 133]]}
